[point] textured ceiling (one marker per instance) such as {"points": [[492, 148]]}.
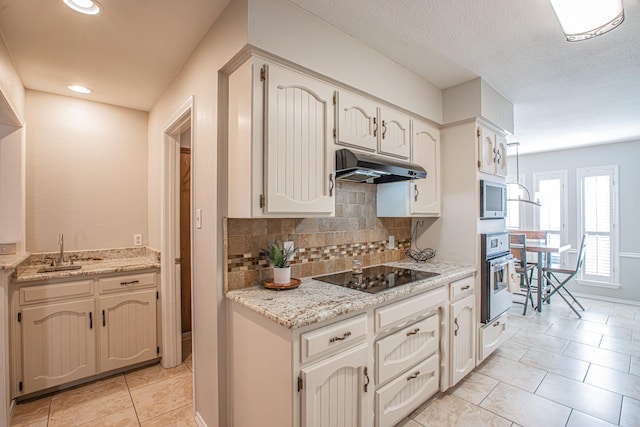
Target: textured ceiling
{"points": [[565, 94]]}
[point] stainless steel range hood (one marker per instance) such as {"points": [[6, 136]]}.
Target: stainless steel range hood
{"points": [[360, 167]]}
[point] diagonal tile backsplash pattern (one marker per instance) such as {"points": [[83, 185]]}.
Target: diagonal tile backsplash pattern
{"points": [[323, 245]]}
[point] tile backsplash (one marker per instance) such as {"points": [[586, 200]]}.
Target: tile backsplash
{"points": [[323, 245]]}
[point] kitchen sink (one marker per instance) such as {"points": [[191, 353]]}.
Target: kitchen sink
{"points": [[54, 268]]}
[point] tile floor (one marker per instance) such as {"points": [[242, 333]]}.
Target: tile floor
{"points": [[151, 396], [554, 370]]}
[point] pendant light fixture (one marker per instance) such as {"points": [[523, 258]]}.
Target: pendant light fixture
{"points": [[520, 199], [585, 19]]}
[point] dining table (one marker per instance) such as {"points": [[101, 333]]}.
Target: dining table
{"points": [[544, 251]]}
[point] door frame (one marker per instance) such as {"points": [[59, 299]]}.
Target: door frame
{"points": [[170, 303]]}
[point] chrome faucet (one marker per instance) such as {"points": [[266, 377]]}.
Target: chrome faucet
{"points": [[61, 246]]}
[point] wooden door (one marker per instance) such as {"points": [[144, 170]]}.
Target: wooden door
{"points": [[58, 344], [299, 162], [425, 193], [486, 153], [393, 133], [463, 334], [356, 121], [127, 329], [185, 238], [334, 389]]}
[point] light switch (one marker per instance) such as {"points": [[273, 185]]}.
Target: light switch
{"points": [[392, 242], [288, 246], [198, 218]]}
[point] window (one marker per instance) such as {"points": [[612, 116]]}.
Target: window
{"points": [[515, 211], [550, 191], [598, 218]]}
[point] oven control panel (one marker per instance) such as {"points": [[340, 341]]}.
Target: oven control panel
{"points": [[496, 243]]}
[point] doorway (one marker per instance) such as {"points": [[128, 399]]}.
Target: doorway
{"points": [[185, 241]]}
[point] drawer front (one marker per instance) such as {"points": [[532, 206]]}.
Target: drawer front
{"points": [[403, 395], [398, 352], [492, 335], [54, 292], [128, 282], [408, 309], [462, 287], [333, 338]]}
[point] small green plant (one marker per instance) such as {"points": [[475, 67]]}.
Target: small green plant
{"points": [[278, 256]]}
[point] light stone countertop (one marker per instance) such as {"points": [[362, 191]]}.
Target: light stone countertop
{"points": [[93, 262], [314, 301], [9, 262]]}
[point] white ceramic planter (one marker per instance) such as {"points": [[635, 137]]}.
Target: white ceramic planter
{"points": [[281, 276]]}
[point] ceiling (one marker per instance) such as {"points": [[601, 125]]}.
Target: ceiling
{"points": [[565, 94]]}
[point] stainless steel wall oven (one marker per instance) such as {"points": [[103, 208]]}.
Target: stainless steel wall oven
{"points": [[495, 253]]}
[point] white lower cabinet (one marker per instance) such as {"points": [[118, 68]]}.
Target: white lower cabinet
{"points": [[463, 338], [492, 335], [401, 396], [335, 389]]}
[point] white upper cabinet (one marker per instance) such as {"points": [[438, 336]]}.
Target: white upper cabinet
{"points": [[425, 193], [356, 121], [393, 128], [280, 151], [492, 151]]}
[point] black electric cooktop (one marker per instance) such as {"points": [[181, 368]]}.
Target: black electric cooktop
{"points": [[376, 279]]}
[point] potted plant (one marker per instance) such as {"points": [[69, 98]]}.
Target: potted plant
{"points": [[280, 258]]}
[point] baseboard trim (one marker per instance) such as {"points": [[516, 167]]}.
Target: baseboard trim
{"points": [[607, 299], [630, 255], [199, 421]]}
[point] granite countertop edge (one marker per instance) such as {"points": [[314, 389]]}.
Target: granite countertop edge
{"points": [[9, 262], [314, 301]]}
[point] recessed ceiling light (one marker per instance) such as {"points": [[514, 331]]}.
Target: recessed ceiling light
{"points": [[79, 89], [88, 7]]}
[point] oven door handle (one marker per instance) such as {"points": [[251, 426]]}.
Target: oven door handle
{"points": [[495, 267]]}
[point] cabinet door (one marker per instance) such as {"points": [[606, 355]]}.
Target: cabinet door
{"points": [[299, 161], [334, 391], [425, 193], [356, 121], [463, 338], [394, 133], [58, 344], [501, 155], [486, 150], [127, 329]]}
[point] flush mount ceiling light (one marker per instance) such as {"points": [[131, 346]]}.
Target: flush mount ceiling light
{"points": [[79, 89], [88, 7], [585, 19]]}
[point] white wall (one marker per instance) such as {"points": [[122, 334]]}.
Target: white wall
{"points": [[86, 173], [199, 77], [10, 83], [625, 155]]}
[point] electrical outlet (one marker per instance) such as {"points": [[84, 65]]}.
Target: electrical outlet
{"points": [[137, 240], [288, 246], [392, 242]]}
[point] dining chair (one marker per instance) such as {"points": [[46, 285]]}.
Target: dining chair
{"points": [[524, 268], [551, 275]]}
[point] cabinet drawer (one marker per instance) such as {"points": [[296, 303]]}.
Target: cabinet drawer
{"points": [[334, 337], [405, 348], [55, 292], [461, 287], [408, 309], [122, 283], [401, 396], [492, 335]]}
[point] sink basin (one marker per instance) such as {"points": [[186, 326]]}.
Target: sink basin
{"points": [[59, 268]]}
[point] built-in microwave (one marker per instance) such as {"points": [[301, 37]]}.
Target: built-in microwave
{"points": [[493, 200]]}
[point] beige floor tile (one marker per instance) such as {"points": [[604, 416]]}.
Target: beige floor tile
{"points": [[145, 376], [635, 366], [626, 323], [586, 398], [594, 316], [533, 325], [604, 329], [163, 396], [181, 417], [188, 362], [612, 380], [525, 408], [408, 422], [91, 402], [576, 335], [599, 356], [621, 345], [30, 412], [561, 365], [630, 415], [126, 418], [41, 423], [512, 350], [511, 372], [579, 419], [451, 411], [540, 341], [474, 387]]}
